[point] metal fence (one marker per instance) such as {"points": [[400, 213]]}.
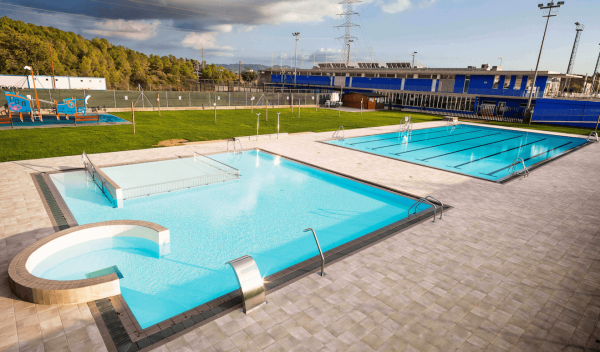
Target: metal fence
{"points": [[149, 99]]}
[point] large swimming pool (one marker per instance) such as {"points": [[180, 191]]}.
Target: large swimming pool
{"points": [[472, 150], [263, 215]]}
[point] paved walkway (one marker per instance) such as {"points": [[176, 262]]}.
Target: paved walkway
{"points": [[512, 267]]}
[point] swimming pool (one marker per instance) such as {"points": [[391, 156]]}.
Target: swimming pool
{"points": [[477, 151], [263, 215]]}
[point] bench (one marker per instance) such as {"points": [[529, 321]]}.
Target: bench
{"points": [[84, 118]]}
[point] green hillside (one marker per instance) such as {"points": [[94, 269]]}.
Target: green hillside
{"points": [[24, 44]]}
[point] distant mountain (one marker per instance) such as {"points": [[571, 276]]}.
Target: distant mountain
{"points": [[235, 67]]}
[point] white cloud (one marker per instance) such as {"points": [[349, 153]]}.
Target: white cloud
{"points": [[395, 6], [300, 11], [136, 30], [206, 40], [221, 28]]}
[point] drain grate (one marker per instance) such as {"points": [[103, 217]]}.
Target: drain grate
{"points": [[115, 327], [57, 214]]}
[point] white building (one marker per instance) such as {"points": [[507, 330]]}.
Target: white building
{"points": [[45, 82]]}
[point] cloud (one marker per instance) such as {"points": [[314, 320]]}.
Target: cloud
{"points": [[222, 28], [395, 6], [135, 30], [299, 11], [206, 40]]}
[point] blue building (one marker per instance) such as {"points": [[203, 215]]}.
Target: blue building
{"points": [[485, 91]]}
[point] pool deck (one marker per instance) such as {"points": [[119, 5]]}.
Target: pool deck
{"points": [[513, 267]]}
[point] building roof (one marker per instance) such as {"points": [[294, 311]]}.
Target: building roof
{"points": [[368, 95]]}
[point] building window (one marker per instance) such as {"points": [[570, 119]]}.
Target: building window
{"points": [[496, 82], [467, 81], [507, 80], [518, 82]]}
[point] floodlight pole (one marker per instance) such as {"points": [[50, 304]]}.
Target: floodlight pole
{"points": [[296, 34], [550, 7]]}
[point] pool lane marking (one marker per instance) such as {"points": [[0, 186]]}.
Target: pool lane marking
{"points": [[504, 151], [535, 156], [420, 140], [477, 146], [383, 139], [437, 145]]}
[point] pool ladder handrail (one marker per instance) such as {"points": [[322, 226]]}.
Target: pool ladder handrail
{"points": [[322, 273], [340, 133], [233, 140], [513, 171], [593, 135], [406, 124], [427, 201]]}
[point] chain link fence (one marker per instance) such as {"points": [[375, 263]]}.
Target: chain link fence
{"points": [[121, 99]]}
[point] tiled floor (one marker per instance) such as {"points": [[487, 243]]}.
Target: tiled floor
{"points": [[512, 267]]}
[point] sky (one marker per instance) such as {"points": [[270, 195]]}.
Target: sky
{"points": [[444, 33]]}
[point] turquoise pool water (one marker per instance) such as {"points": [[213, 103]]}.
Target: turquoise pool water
{"points": [[262, 215], [472, 150]]}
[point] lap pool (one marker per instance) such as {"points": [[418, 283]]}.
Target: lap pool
{"points": [[477, 151], [263, 214]]}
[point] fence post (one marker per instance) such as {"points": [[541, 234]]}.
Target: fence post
{"points": [[115, 97], [190, 97], [229, 93], [158, 100], [292, 94], [133, 117], [266, 109], [215, 112], [167, 98]]}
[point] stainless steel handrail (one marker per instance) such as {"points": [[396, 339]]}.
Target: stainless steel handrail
{"points": [[513, 171], [592, 135], [233, 140], [426, 200], [340, 133], [406, 124], [322, 273], [90, 169]]}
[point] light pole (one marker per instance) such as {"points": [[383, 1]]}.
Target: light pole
{"points": [[595, 74], [414, 54], [547, 11], [296, 34]]}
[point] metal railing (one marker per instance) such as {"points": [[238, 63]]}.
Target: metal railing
{"points": [[405, 124], [322, 273], [512, 168], [593, 136], [426, 200], [339, 133], [224, 173], [98, 180], [233, 140]]}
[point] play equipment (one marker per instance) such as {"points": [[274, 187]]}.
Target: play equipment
{"points": [[23, 105]]}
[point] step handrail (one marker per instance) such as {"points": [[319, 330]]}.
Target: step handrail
{"points": [[340, 133], [320, 251], [406, 124], [513, 171], [427, 201], [233, 140], [592, 135]]}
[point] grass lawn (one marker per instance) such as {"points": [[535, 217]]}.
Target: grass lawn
{"points": [[191, 125]]}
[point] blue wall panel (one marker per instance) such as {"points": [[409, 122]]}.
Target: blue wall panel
{"points": [[459, 84], [418, 84], [566, 112], [376, 83]]}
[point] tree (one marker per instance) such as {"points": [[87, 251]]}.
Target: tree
{"points": [[248, 75]]}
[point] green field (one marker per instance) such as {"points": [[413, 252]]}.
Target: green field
{"points": [[23, 144], [26, 144]]}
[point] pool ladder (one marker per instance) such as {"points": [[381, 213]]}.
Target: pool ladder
{"points": [[340, 133], [406, 124], [233, 140], [512, 168], [427, 200], [593, 136]]}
